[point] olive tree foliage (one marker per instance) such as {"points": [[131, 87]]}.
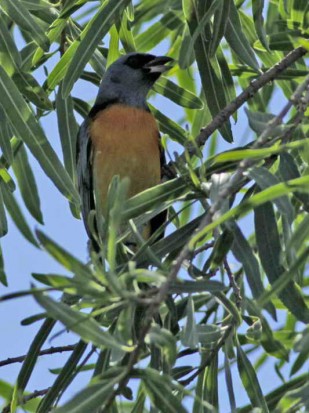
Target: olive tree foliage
{"points": [[171, 326]]}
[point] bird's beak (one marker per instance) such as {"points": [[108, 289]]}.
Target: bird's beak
{"points": [[158, 64]]}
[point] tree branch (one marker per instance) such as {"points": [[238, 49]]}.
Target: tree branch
{"points": [[270, 75], [224, 114], [51, 350]]}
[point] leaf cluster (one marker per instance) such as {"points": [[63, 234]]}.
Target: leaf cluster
{"points": [[163, 326]]}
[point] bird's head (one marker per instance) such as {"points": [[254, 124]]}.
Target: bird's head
{"points": [[130, 78]]}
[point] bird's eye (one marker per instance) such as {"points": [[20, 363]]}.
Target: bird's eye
{"points": [[134, 62], [139, 60]]}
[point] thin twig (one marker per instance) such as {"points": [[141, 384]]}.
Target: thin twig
{"points": [[233, 284], [210, 357], [51, 350], [203, 248], [27, 398]]}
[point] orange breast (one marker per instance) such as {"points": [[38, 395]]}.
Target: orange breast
{"points": [[126, 143]]}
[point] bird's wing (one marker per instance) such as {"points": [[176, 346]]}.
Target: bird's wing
{"points": [[84, 173], [157, 221]]}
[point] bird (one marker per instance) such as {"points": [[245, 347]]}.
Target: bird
{"points": [[120, 137]]}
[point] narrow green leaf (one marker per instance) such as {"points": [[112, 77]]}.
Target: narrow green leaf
{"points": [[54, 33], [200, 404], [6, 178], [95, 30], [258, 121], [172, 242], [302, 347], [240, 154], [87, 328], [186, 57], [211, 79], [159, 389], [82, 107], [211, 384], [219, 27], [163, 339], [257, 11], [94, 395], [3, 279], [282, 41], [20, 15], [229, 380], [26, 55], [117, 195], [17, 216], [229, 306], [28, 129], [238, 41], [70, 7], [242, 251], [189, 336], [298, 9], [125, 34], [64, 378], [275, 396], [182, 287], [113, 49], [222, 246], [9, 54], [295, 399], [298, 307], [60, 69], [98, 59], [139, 406], [30, 360], [270, 344], [31, 90], [266, 179], [227, 78], [36, 4], [26, 183], [269, 246], [3, 220], [68, 129], [72, 285], [287, 170], [5, 137], [215, 5], [177, 94], [250, 380], [71, 263], [156, 196], [159, 31], [168, 126], [300, 235], [208, 334]]}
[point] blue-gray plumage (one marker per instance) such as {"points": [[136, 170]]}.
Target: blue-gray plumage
{"points": [[120, 135]]}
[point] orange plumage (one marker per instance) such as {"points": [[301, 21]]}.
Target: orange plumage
{"points": [[125, 143]]}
